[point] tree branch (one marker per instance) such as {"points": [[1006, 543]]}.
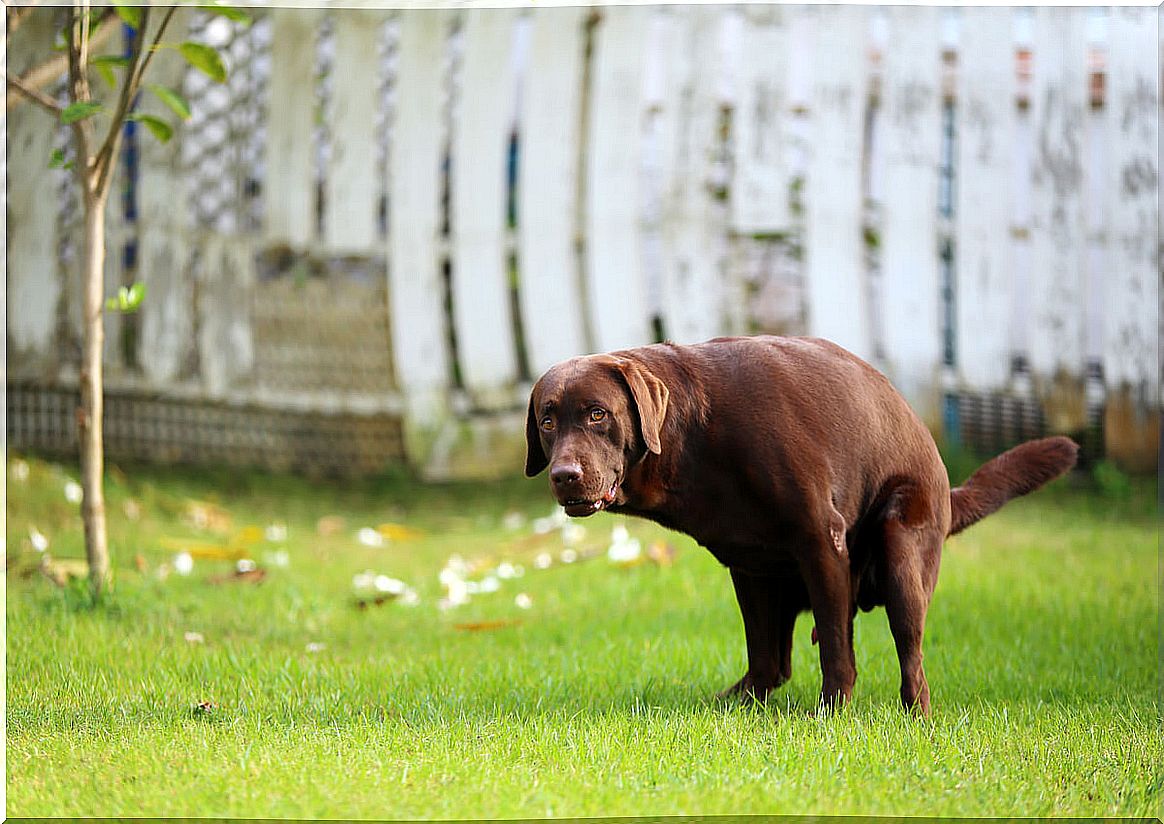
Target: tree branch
{"points": [[78, 93], [40, 98], [40, 76], [133, 77]]}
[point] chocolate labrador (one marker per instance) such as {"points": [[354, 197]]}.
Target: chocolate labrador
{"points": [[799, 467]]}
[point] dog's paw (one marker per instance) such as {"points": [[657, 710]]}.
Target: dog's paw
{"points": [[751, 688]]}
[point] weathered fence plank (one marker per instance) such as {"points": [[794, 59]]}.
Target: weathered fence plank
{"points": [[693, 226], [911, 139], [1058, 228], [759, 196], [226, 278], [1131, 299], [614, 278], [289, 187], [1130, 312], [480, 267], [414, 172], [351, 193], [983, 268], [835, 278], [166, 318], [547, 212], [33, 283]]}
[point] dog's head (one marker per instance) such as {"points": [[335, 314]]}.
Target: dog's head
{"points": [[590, 420]]}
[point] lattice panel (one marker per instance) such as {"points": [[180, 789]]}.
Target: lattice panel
{"points": [[223, 142], [324, 333], [140, 427]]}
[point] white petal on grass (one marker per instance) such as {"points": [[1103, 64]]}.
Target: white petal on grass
{"points": [[543, 560], [513, 520], [316, 646], [19, 470], [390, 586], [275, 533], [39, 541], [490, 583], [245, 565], [279, 558], [569, 556], [73, 492], [523, 601], [573, 534], [194, 638], [364, 580], [183, 563], [370, 537], [410, 598]]}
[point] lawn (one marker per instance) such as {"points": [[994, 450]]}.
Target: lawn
{"points": [[579, 689]]}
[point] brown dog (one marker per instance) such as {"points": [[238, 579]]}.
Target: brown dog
{"points": [[796, 464]]}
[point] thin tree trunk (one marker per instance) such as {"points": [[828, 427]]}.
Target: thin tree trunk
{"points": [[89, 416]]}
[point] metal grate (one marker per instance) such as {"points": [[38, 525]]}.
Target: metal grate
{"points": [[166, 430], [223, 142]]}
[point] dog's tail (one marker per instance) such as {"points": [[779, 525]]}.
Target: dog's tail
{"points": [[1013, 473]]}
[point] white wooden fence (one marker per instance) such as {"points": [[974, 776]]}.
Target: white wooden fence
{"points": [[968, 198]]}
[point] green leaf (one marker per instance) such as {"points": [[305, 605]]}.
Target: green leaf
{"points": [[162, 130], [57, 160], [130, 14], [205, 59], [79, 111], [104, 64], [231, 13], [178, 104], [110, 60], [128, 299]]}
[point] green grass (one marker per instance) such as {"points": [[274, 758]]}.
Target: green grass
{"points": [[1041, 654]]}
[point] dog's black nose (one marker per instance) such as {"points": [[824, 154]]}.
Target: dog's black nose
{"points": [[565, 474]]}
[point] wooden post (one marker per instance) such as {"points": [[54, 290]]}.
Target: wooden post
{"points": [[983, 268], [614, 278], [289, 185], [352, 192], [1132, 281], [547, 214], [836, 282], [480, 270], [33, 282], [911, 137], [1058, 230]]}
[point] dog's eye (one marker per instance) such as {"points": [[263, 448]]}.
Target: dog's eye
{"points": [[547, 423], [597, 414]]}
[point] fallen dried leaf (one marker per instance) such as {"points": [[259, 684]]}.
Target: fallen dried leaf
{"points": [[249, 576], [484, 626], [330, 525], [399, 532]]}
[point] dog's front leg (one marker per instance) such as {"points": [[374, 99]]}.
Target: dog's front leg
{"points": [[767, 634]]}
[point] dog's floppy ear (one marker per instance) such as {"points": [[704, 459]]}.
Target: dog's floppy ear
{"points": [[650, 396], [535, 456]]}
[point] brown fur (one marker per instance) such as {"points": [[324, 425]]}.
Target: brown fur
{"points": [[796, 464]]}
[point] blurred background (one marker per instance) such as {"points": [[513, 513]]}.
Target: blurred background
{"points": [[367, 243]]}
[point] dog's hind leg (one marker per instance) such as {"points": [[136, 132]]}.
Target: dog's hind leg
{"points": [[910, 571], [824, 563]]}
